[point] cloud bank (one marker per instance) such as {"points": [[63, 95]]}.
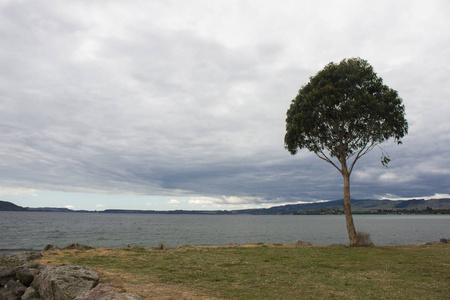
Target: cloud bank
{"points": [[188, 99]]}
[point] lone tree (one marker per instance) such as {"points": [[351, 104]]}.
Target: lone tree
{"points": [[341, 114]]}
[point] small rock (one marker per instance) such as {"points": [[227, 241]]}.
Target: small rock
{"points": [[77, 246], [300, 243], [256, 244], [106, 292], [101, 291], [431, 243], [444, 241], [50, 247]]}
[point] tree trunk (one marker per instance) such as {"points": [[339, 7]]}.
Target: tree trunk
{"points": [[348, 209]]}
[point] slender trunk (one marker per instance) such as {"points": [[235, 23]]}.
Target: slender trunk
{"points": [[348, 209]]}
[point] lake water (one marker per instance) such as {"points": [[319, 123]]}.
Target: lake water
{"points": [[34, 230]]}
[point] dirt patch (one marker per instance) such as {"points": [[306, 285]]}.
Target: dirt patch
{"points": [[147, 286]]}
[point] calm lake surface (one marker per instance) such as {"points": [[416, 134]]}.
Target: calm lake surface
{"points": [[34, 230]]}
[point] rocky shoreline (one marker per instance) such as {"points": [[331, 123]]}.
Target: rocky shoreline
{"points": [[21, 278]]}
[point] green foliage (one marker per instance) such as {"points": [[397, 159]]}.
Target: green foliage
{"points": [[363, 239], [344, 111]]}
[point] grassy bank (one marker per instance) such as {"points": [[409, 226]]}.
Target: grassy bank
{"points": [[271, 272]]}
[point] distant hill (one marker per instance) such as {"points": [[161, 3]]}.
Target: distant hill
{"points": [[8, 206], [368, 206]]}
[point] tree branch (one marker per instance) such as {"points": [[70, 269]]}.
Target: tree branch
{"points": [[364, 150], [356, 142], [328, 160], [324, 157]]}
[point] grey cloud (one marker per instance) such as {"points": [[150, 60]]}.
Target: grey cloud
{"points": [[161, 111]]}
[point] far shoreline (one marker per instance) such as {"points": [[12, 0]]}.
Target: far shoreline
{"points": [[333, 207]]}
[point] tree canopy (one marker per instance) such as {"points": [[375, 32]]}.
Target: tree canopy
{"points": [[343, 112]]}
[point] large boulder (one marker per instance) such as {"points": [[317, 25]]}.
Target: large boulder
{"points": [[26, 273], [21, 279], [12, 290], [65, 282], [11, 264], [6, 274], [18, 258]]}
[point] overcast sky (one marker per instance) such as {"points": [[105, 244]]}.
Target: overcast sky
{"points": [[182, 104]]}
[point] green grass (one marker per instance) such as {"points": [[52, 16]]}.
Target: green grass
{"points": [[283, 272]]}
